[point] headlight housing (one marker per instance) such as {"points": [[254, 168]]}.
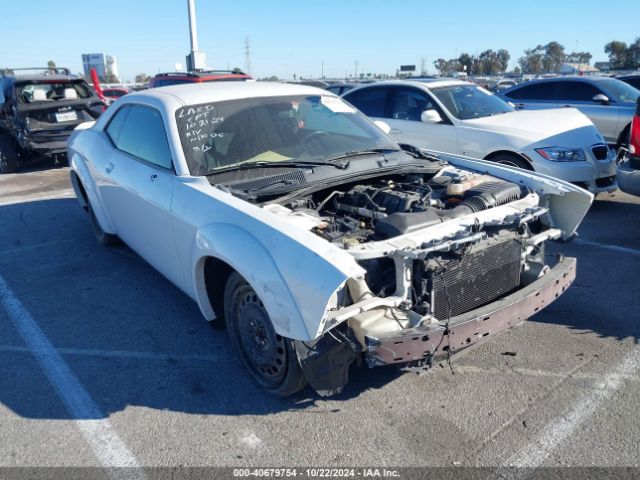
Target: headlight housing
{"points": [[561, 154]]}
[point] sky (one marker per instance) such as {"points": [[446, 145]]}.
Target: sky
{"points": [[305, 38]]}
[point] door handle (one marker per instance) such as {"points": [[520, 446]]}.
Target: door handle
{"points": [[395, 131], [153, 177], [109, 167], [566, 106]]}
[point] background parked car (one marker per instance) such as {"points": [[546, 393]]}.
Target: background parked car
{"points": [[633, 80], [176, 78], [114, 93], [39, 111], [340, 88], [454, 116], [608, 102]]}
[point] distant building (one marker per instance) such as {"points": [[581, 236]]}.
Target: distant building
{"points": [[106, 66], [578, 68]]}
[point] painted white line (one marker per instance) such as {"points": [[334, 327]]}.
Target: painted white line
{"points": [[103, 440], [561, 428], [608, 246], [14, 199], [39, 245], [124, 354]]}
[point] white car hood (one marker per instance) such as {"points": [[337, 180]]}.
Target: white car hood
{"points": [[532, 126]]}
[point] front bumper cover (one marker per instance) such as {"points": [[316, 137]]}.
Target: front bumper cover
{"points": [[431, 342]]}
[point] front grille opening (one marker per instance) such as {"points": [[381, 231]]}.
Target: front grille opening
{"points": [[605, 181], [601, 152], [485, 273]]}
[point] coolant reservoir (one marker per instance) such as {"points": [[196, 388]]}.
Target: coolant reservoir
{"points": [[460, 188]]}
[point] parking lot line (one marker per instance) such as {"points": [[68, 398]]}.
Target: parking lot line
{"points": [[97, 431], [89, 352], [534, 454], [619, 248], [18, 198]]}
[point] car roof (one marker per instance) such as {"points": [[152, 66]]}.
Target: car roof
{"points": [[47, 78], [428, 83], [195, 93], [569, 78]]}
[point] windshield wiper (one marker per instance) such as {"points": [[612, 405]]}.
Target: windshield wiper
{"points": [[358, 153], [282, 163]]}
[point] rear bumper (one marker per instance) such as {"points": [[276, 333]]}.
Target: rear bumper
{"points": [[430, 342], [46, 143]]}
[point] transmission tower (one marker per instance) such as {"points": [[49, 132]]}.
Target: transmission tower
{"points": [[247, 56]]}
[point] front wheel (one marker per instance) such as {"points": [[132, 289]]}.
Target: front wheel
{"points": [[269, 358], [512, 161], [9, 160], [104, 238]]}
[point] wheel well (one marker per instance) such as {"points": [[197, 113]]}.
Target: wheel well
{"points": [[79, 188], [508, 153], [216, 273]]}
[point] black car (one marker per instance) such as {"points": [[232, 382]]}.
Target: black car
{"points": [[39, 111], [633, 80]]}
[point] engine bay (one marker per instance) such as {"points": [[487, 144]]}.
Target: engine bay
{"points": [[394, 205]]}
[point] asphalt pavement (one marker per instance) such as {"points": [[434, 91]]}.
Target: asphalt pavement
{"points": [[104, 362]]}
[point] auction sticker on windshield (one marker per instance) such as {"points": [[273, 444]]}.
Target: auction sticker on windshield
{"points": [[336, 105]]}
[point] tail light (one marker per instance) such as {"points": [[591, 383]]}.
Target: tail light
{"points": [[634, 139]]}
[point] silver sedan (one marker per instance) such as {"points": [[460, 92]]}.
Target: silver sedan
{"points": [[609, 103]]}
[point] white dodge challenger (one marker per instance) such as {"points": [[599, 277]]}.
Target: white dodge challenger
{"points": [[297, 222]]}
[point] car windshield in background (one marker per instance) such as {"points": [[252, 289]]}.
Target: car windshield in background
{"points": [[624, 92], [273, 129], [52, 91], [470, 101]]}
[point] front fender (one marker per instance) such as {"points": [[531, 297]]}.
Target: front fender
{"points": [[79, 167], [294, 283]]}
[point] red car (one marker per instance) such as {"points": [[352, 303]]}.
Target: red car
{"points": [[175, 78], [114, 93]]}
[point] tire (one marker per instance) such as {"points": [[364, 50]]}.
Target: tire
{"points": [[269, 358], [105, 239], [623, 139], [511, 161], [9, 161]]}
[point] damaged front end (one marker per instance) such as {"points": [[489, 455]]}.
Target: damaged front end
{"points": [[450, 259]]}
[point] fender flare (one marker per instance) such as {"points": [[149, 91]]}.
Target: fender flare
{"points": [[249, 257], [81, 181]]}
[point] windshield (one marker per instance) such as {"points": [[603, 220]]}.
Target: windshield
{"points": [[52, 91], [624, 92], [470, 101], [273, 129]]}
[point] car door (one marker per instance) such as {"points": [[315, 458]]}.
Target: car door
{"points": [[580, 94], [138, 186], [406, 107], [533, 96]]}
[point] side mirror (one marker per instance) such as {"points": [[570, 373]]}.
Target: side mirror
{"points": [[430, 116], [600, 98], [384, 126]]}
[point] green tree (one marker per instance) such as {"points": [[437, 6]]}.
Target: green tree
{"points": [[617, 52], [579, 57], [532, 61], [51, 65], [142, 78], [633, 55], [553, 57]]}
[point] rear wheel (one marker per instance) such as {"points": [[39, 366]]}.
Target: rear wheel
{"points": [[269, 358], [511, 161], [9, 161], [104, 238]]}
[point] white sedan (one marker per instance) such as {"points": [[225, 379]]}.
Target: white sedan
{"points": [[459, 117], [287, 214]]}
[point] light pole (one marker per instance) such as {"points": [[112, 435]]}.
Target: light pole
{"points": [[195, 59]]}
